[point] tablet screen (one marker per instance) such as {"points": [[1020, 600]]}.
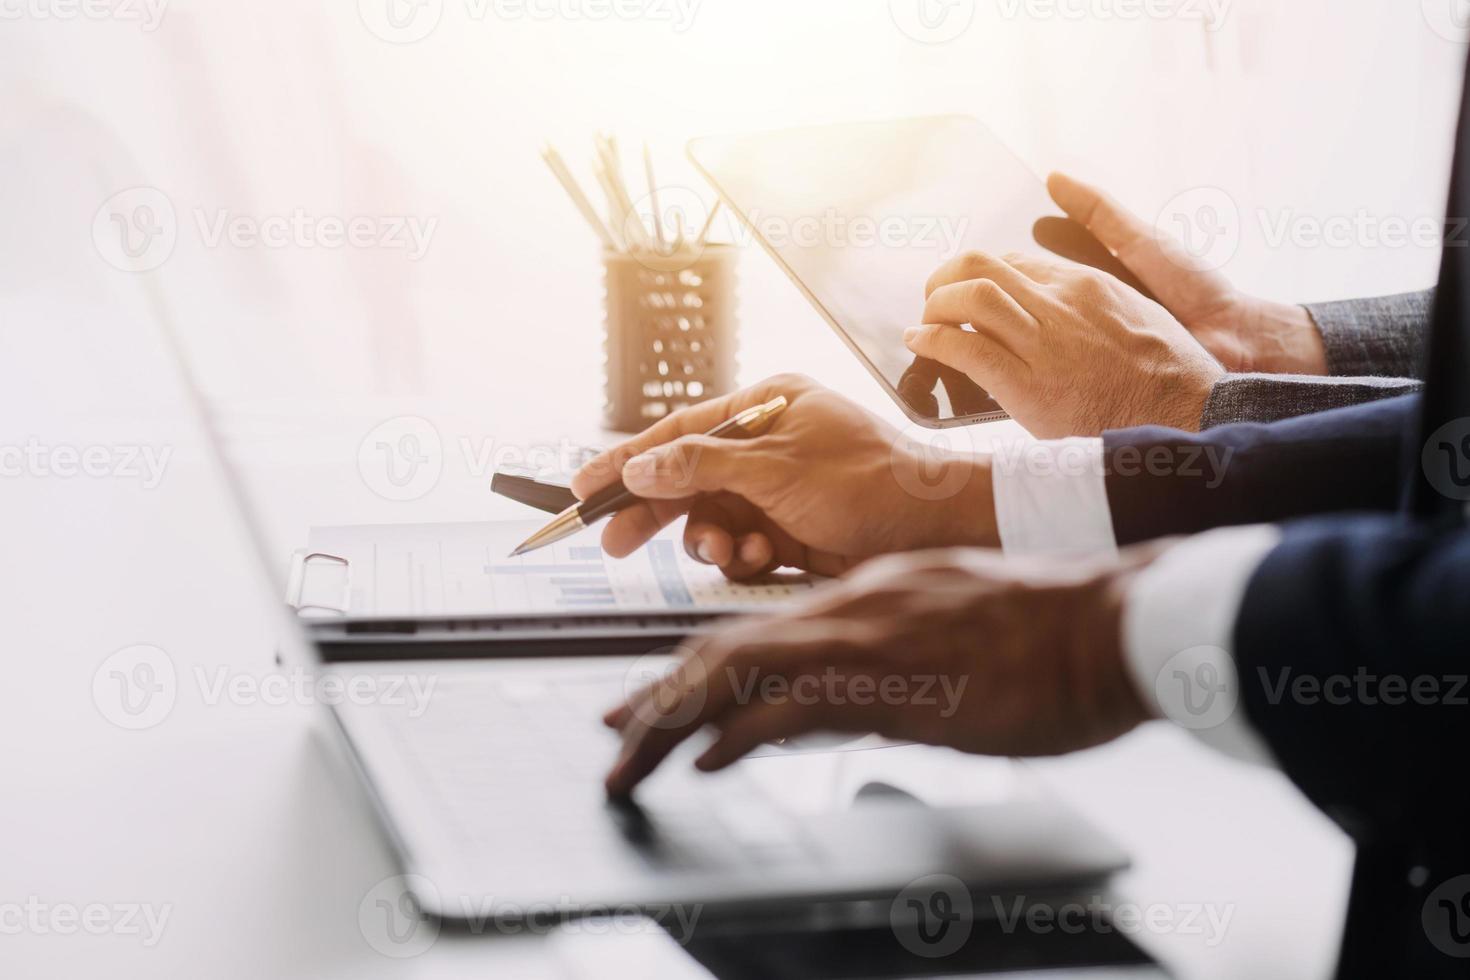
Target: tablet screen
{"points": [[861, 215]]}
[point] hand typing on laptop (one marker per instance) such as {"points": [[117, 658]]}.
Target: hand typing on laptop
{"points": [[963, 649]]}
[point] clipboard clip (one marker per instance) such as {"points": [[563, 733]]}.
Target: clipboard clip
{"points": [[307, 565]]}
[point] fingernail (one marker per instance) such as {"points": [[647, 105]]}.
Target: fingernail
{"points": [[640, 470], [910, 334], [751, 552], [702, 550]]}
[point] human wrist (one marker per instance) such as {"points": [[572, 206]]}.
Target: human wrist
{"points": [[1105, 692], [1284, 339], [957, 509], [979, 525], [1184, 408]]}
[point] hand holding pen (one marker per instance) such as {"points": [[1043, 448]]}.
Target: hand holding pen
{"points": [[613, 499], [828, 486]]}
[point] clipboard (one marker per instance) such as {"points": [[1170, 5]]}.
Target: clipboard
{"points": [[320, 584], [444, 591], [319, 590]]}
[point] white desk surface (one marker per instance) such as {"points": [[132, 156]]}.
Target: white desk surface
{"points": [[244, 822]]}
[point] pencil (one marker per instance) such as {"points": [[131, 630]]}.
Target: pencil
{"points": [[574, 191], [658, 221]]}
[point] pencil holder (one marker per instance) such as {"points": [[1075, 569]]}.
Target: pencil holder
{"points": [[671, 334]]}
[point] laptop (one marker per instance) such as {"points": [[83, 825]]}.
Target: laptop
{"points": [[491, 793]]}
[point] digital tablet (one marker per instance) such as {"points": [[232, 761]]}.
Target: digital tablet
{"points": [[860, 215]]}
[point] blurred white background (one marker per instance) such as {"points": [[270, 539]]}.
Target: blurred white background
{"points": [[1313, 108]]}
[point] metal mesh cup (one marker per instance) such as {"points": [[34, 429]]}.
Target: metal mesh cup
{"points": [[671, 332]]}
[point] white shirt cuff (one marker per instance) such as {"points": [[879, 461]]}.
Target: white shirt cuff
{"points": [[1051, 498], [1179, 635]]}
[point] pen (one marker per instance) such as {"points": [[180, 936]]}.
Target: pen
{"points": [[746, 425]]}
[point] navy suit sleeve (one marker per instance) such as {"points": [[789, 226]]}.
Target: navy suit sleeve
{"points": [[1351, 645], [1352, 655], [1162, 482]]}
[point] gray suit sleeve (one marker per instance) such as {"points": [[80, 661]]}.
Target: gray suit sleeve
{"points": [[1383, 337], [1375, 349], [1273, 397]]}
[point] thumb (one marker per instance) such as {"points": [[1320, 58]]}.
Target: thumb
{"points": [[1156, 259], [1115, 226], [976, 355], [693, 465]]}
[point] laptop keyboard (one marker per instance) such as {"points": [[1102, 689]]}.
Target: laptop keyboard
{"points": [[522, 759]]}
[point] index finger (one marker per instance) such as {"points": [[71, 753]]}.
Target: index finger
{"points": [[703, 689], [606, 468], [981, 265]]}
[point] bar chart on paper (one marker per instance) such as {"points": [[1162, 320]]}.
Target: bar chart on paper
{"points": [[462, 569], [577, 577], [582, 580]]}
